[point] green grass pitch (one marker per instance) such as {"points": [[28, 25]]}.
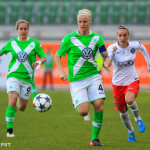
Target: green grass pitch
{"points": [[61, 128]]}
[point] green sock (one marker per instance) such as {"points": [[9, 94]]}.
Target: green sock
{"points": [[34, 91], [10, 115], [97, 123], [77, 111]]}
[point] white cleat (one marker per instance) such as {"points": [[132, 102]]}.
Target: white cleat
{"points": [[87, 117], [10, 135]]}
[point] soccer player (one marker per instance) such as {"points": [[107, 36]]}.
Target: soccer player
{"points": [[20, 70], [86, 85], [125, 78], [48, 67]]}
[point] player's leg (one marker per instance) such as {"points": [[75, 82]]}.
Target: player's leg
{"points": [[121, 106], [10, 112], [134, 109], [97, 121], [131, 93], [124, 115], [81, 103], [96, 95], [21, 103], [24, 95], [81, 92], [80, 97], [13, 88], [83, 108]]}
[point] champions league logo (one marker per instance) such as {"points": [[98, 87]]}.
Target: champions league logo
{"points": [[87, 53], [22, 56]]}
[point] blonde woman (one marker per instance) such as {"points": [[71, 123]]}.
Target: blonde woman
{"points": [[20, 70], [86, 85]]}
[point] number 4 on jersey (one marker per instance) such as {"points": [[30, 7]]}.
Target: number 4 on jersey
{"points": [[100, 87]]}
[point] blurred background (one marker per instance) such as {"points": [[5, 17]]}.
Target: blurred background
{"points": [[51, 20]]}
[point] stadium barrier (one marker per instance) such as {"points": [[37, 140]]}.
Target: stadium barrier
{"points": [[140, 64]]}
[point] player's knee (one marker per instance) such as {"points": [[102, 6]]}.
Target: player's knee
{"points": [[98, 108], [98, 105], [129, 98], [12, 104], [130, 101], [22, 108], [83, 109], [83, 113]]}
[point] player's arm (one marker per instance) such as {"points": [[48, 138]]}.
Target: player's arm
{"points": [[63, 75], [107, 61], [40, 52], [37, 64], [146, 56]]}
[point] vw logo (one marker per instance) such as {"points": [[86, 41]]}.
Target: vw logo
{"points": [[22, 56], [87, 53]]}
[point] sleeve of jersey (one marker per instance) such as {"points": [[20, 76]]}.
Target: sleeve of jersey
{"points": [[146, 56], [64, 47], [101, 48], [110, 52], [5, 49], [39, 50]]}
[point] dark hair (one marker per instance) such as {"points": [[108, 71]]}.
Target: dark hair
{"points": [[123, 27]]}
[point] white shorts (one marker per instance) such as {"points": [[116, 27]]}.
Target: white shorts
{"points": [[22, 88], [87, 90]]}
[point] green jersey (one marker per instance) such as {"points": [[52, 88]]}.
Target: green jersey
{"points": [[23, 56], [49, 62], [81, 51]]}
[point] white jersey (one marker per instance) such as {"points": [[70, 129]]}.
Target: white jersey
{"points": [[123, 59]]}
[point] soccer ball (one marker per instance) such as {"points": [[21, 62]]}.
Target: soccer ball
{"points": [[42, 102]]}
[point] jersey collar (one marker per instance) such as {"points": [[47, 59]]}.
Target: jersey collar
{"points": [[122, 47], [26, 40], [80, 34]]}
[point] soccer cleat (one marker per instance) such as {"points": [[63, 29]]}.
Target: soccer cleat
{"points": [[131, 137], [96, 142], [140, 125], [87, 118], [10, 133]]}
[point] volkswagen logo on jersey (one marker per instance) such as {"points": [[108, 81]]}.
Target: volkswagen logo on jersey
{"points": [[132, 50], [87, 53], [22, 56]]}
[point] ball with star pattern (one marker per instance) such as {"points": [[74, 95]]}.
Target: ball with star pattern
{"points": [[42, 102]]}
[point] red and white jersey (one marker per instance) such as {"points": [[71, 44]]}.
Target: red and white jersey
{"points": [[123, 59]]}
